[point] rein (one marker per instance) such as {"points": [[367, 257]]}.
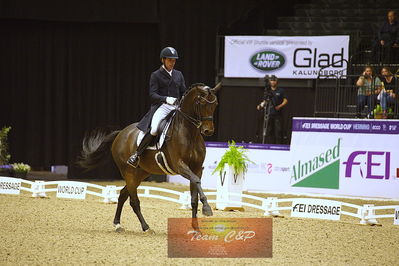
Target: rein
{"points": [[196, 122]]}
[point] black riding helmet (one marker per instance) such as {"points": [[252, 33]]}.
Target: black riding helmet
{"points": [[169, 52]]}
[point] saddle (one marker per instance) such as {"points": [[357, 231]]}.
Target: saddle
{"points": [[161, 133], [159, 142]]}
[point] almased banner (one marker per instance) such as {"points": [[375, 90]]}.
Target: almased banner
{"points": [[345, 157], [299, 57]]}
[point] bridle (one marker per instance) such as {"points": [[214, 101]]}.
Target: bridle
{"points": [[199, 101]]}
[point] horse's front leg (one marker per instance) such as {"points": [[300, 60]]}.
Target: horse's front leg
{"points": [[195, 188], [194, 199], [194, 206]]}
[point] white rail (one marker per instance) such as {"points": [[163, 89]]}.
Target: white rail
{"points": [[269, 205]]}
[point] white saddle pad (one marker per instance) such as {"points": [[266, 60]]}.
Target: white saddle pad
{"points": [[161, 138]]}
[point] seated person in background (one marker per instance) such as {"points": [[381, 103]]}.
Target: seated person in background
{"points": [[368, 85], [388, 91], [385, 49]]}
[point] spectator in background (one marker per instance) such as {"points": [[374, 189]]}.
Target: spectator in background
{"points": [[368, 85], [387, 45], [388, 91]]}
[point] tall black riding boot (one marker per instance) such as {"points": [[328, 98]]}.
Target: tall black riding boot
{"points": [[135, 158]]}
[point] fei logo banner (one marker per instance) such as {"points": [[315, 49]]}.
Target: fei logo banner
{"points": [[316, 208], [371, 164]]}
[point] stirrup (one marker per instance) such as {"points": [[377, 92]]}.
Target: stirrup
{"points": [[134, 160]]}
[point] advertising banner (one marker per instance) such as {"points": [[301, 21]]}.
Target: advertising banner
{"points": [[342, 157], [345, 157], [269, 170], [291, 57]]}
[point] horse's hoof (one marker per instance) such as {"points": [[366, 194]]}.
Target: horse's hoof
{"points": [[207, 210], [119, 228], [149, 232], [198, 232]]}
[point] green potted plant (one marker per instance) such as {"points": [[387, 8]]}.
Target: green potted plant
{"points": [[235, 157], [4, 155], [20, 169], [5, 168], [231, 177]]}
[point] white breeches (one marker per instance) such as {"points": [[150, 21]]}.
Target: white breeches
{"points": [[160, 114]]}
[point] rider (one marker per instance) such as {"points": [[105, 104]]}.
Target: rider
{"points": [[166, 86]]}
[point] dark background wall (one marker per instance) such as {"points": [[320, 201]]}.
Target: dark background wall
{"points": [[70, 66]]}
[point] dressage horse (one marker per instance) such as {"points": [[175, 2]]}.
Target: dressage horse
{"points": [[184, 151]]}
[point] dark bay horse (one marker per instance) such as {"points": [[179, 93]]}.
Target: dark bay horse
{"points": [[184, 151]]}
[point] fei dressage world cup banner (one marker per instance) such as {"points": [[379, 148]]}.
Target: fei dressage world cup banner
{"points": [[345, 157], [299, 57]]}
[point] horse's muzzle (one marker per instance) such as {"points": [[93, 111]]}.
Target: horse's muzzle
{"points": [[207, 132]]}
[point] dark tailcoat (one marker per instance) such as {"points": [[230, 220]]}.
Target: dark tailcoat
{"points": [[162, 85]]}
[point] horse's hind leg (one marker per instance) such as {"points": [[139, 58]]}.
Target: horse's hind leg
{"points": [[135, 203], [123, 195], [132, 183]]}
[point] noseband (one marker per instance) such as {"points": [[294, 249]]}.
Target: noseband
{"points": [[197, 105], [199, 100]]}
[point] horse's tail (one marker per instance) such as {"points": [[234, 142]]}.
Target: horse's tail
{"points": [[96, 148]]}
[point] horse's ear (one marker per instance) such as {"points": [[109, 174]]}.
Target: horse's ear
{"points": [[217, 87]]}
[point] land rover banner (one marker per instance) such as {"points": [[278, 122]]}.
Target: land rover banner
{"points": [[299, 57]]}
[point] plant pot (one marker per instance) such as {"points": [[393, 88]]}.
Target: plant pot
{"points": [[229, 182], [6, 172], [20, 175], [378, 116]]}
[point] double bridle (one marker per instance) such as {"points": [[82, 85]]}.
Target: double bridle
{"points": [[200, 100]]}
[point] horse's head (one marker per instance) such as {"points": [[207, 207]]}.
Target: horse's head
{"points": [[200, 103]]}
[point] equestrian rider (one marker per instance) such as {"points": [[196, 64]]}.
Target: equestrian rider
{"points": [[166, 86]]}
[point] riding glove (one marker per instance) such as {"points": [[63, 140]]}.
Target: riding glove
{"points": [[171, 100]]}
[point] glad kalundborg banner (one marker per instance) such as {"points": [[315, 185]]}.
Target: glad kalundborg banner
{"points": [[345, 157], [299, 57]]}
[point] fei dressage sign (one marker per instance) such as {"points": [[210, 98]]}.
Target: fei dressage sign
{"points": [[10, 185], [292, 57], [316, 208]]}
